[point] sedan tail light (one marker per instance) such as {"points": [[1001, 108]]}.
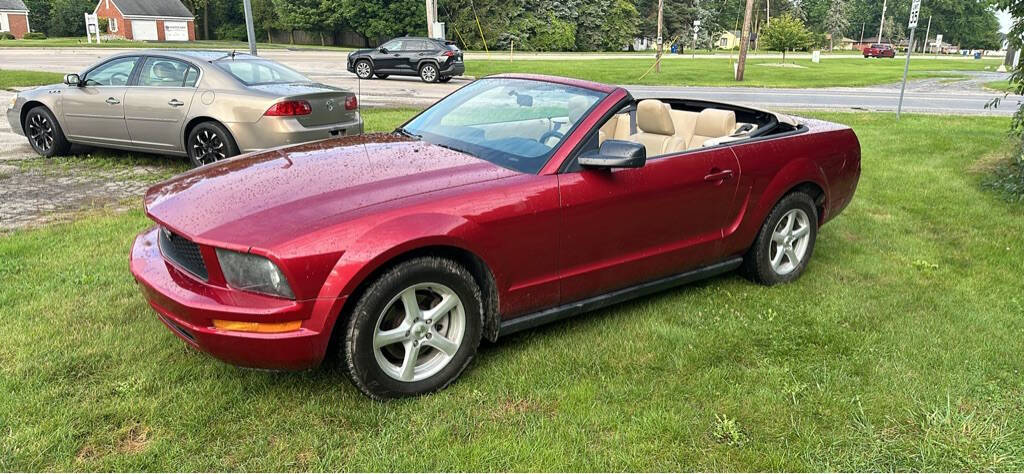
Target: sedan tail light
{"points": [[351, 103], [288, 108]]}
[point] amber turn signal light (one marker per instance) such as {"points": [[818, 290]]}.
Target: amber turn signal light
{"points": [[249, 326]]}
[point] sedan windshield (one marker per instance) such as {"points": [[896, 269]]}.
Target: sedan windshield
{"points": [[253, 72], [514, 123]]}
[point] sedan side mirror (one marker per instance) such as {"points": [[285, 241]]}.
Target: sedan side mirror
{"points": [[73, 80], [383, 50], [616, 154]]}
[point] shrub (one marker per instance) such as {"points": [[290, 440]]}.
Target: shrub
{"points": [[232, 32], [104, 24], [1009, 179], [35, 35], [6, 36]]}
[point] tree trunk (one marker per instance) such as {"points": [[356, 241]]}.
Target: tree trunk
{"points": [[206, 21], [783, 56], [291, 36], [322, 43], [270, 39]]}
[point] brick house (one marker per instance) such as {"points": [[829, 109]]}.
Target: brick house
{"points": [[14, 18], [150, 20]]}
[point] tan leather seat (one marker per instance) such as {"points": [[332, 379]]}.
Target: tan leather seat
{"points": [[616, 128], [685, 122], [656, 130], [712, 123]]}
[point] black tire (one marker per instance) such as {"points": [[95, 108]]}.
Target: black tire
{"points": [[757, 264], [381, 76], [44, 133], [428, 72], [445, 79], [361, 358], [364, 69], [209, 142]]}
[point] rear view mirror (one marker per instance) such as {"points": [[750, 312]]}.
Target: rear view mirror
{"points": [[616, 154], [72, 80]]}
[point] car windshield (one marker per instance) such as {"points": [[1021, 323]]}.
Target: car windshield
{"points": [[514, 123], [254, 72]]}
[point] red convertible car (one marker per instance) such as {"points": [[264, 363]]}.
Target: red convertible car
{"points": [[515, 201]]}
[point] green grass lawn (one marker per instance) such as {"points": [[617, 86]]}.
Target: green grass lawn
{"points": [[76, 42], [14, 78], [899, 349], [1001, 86], [846, 72]]}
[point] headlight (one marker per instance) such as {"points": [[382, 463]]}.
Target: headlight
{"points": [[245, 271], [14, 100]]}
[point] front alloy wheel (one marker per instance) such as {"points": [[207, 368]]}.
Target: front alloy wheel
{"points": [[44, 133], [363, 69], [414, 329]]}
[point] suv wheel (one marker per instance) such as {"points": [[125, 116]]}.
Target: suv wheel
{"points": [[445, 79], [381, 76], [414, 330], [428, 72], [785, 243], [364, 70]]}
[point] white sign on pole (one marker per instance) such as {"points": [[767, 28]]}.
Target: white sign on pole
{"points": [[915, 10], [92, 27], [816, 56]]}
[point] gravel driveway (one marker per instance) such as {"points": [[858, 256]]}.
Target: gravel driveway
{"points": [[35, 191]]}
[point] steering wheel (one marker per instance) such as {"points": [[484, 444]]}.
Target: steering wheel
{"points": [[116, 79], [549, 134]]}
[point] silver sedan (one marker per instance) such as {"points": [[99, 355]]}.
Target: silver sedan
{"points": [[207, 105]]}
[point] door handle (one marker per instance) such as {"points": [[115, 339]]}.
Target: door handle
{"points": [[716, 175], [175, 103], [113, 101]]}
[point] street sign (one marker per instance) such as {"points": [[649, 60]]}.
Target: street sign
{"points": [[915, 10]]}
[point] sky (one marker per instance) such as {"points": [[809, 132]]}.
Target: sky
{"points": [[1005, 21]]}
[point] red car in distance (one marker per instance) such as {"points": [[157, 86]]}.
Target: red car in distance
{"points": [[516, 201], [879, 50]]}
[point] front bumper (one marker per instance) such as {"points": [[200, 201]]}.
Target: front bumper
{"points": [[188, 306], [273, 132], [14, 119]]}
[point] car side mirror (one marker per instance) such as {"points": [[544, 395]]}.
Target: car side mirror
{"points": [[73, 80], [383, 50], [615, 154]]}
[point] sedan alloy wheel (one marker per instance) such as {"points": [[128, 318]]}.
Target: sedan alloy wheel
{"points": [[40, 133], [208, 147]]}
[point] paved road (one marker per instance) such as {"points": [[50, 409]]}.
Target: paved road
{"points": [[927, 96]]}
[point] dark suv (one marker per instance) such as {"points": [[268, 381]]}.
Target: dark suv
{"points": [[432, 59]]}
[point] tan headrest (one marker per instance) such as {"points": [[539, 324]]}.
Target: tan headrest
{"points": [[578, 106], [652, 117], [715, 123]]}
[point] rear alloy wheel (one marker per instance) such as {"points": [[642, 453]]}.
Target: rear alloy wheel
{"points": [[414, 330], [428, 72], [44, 133], [364, 70], [209, 142], [785, 242]]}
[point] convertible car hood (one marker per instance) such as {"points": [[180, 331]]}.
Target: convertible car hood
{"points": [[277, 195]]}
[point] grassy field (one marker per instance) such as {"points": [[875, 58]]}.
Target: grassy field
{"points": [[900, 349], [14, 78], [1001, 86], [79, 42], [718, 72]]}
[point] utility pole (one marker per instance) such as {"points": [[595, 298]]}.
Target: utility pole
{"points": [[928, 31], [431, 14], [767, 12], [862, 33], [248, 26], [657, 60], [744, 40], [881, 22]]}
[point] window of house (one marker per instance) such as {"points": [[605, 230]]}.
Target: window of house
{"points": [[112, 25], [5, 24]]}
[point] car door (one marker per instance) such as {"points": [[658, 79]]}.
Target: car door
{"points": [[94, 111], [387, 57], [624, 227], [156, 106], [412, 51]]}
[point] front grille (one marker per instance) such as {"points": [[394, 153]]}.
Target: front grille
{"points": [[182, 252]]}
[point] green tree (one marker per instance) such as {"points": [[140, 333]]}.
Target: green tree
{"points": [[836, 22], [785, 33], [67, 17], [378, 20]]}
